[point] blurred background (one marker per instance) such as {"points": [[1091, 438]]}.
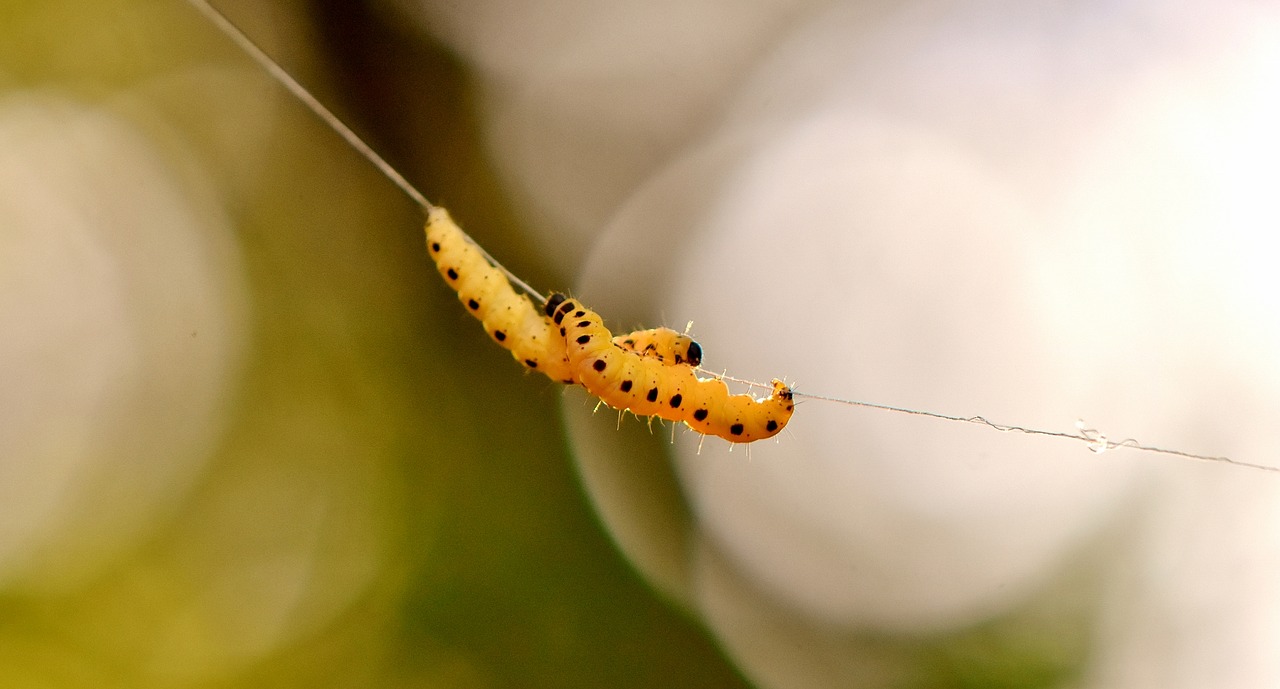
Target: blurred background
{"points": [[248, 438]]}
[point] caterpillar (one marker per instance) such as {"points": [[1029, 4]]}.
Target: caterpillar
{"points": [[645, 386], [665, 344], [648, 372]]}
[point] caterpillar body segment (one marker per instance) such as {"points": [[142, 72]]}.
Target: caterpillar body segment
{"points": [[646, 386], [667, 345], [509, 317]]}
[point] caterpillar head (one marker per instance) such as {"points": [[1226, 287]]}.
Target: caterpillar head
{"points": [[664, 344], [781, 391], [693, 356], [553, 302]]}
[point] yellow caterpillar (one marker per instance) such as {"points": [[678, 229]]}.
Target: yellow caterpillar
{"points": [[648, 372], [645, 386]]}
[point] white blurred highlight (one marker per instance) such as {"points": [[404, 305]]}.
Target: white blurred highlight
{"points": [[582, 100], [122, 312]]}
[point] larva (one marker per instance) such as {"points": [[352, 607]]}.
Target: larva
{"points": [[509, 317], [624, 379], [664, 344]]}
